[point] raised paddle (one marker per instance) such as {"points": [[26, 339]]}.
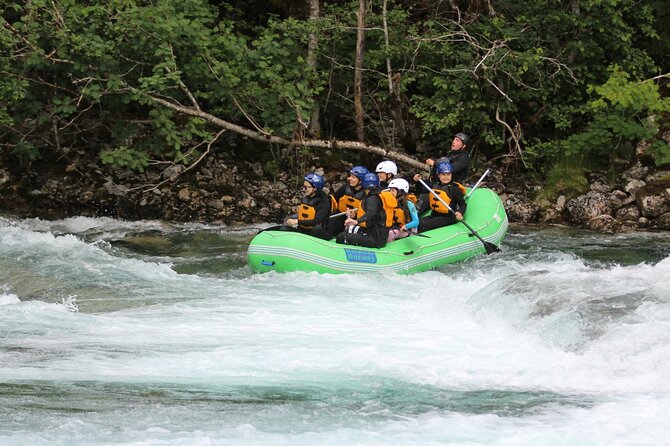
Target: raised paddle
{"points": [[477, 184], [490, 247]]}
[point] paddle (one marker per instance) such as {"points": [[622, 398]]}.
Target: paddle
{"points": [[488, 246], [342, 213], [477, 184]]}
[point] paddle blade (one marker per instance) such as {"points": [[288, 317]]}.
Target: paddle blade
{"points": [[490, 247]]}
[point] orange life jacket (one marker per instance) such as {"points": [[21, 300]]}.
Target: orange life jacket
{"points": [[348, 202], [436, 205], [306, 212], [307, 209], [389, 204]]}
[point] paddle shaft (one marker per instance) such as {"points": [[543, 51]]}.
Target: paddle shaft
{"points": [[490, 247], [477, 184], [342, 213]]}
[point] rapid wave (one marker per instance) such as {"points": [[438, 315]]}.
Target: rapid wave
{"points": [[520, 346]]}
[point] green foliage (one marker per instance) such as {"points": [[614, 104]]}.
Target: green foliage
{"points": [[566, 178], [26, 152], [620, 117], [89, 70], [125, 157], [660, 151]]}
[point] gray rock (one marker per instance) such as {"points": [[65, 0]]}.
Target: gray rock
{"points": [[115, 189], [662, 222], [602, 223], [628, 213], [659, 175], [551, 216], [637, 172], [520, 209], [624, 198], [560, 203], [599, 185], [257, 169], [634, 185], [589, 206], [214, 203], [653, 206]]}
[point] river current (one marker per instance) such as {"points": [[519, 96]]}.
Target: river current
{"points": [[149, 333]]}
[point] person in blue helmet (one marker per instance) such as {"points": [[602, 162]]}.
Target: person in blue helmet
{"points": [[450, 192], [347, 197], [458, 157], [367, 226], [314, 209]]}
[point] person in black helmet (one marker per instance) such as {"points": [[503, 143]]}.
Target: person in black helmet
{"points": [[313, 212], [458, 158]]}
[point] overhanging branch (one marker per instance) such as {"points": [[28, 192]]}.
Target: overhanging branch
{"points": [[273, 139]]}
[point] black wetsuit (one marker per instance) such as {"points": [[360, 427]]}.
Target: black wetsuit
{"points": [[375, 233], [317, 226]]}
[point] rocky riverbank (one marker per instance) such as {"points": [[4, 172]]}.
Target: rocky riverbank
{"points": [[221, 190]]}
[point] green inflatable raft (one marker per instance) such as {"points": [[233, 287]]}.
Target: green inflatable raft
{"points": [[285, 251]]}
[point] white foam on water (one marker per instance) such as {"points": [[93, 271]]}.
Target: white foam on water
{"points": [[523, 349]]}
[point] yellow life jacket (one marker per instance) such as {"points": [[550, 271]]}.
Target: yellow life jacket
{"points": [[412, 198], [437, 206]]}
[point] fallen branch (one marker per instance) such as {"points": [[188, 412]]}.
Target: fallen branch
{"points": [[274, 139]]}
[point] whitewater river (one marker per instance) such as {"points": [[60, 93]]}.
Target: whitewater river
{"points": [[120, 333]]}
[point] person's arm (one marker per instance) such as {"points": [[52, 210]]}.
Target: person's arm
{"points": [[418, 187], [372, 205], [457, 199], [414, 216]]}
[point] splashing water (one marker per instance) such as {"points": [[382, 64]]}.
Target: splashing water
{"points": [[147, 333]]}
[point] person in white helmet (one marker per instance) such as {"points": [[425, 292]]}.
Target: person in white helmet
{"points": [[386, 171], [406, 218]]}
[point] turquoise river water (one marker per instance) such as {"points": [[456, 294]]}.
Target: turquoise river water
{"points": [[149, 333]]}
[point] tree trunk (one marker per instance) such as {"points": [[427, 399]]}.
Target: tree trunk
{"points": [[358, 73], [576, 9], [389, 74], [314, 14]]}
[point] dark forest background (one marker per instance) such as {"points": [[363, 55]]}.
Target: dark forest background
{"points": [[548, 89]]}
